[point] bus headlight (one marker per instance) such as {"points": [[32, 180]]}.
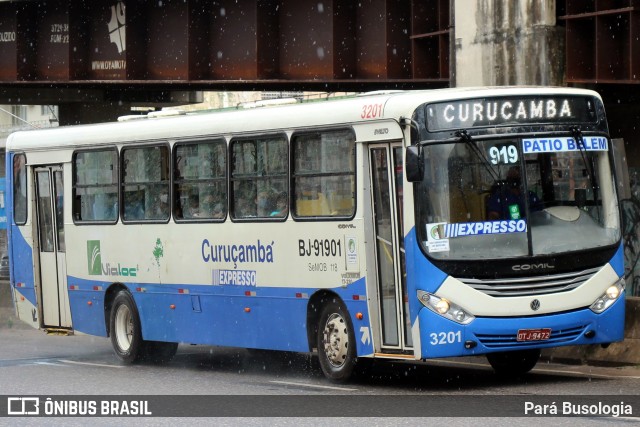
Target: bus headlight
{"points": [[445, 308], [612, 293], [442, 306]]}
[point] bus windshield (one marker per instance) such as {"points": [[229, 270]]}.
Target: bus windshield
{"points": [[516, 197]]}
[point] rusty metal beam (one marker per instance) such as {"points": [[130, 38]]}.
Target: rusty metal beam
{"points": [[178, 45]]}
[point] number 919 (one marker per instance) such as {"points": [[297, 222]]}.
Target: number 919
{"points": [[504, 154]]}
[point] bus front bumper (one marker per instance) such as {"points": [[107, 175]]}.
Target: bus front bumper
{"points": [[441, 337]]}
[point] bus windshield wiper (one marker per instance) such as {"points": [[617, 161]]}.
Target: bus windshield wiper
{"points": [[463, 136], [576, 133]]}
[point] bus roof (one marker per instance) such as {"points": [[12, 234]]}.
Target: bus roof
{"points": [[343, 111]]}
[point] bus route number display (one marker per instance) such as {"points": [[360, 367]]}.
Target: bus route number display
{"points": [[485, 112], [504, 154]]}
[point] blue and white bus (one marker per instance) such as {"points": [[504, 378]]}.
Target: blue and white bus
{"points": [[401, 225]]}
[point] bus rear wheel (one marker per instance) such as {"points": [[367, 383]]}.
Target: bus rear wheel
{"points": [[126, 335], [513, 363], [336, 342]]}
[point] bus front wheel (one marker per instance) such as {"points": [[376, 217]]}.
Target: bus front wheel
{"points": [[513, 363], [336, 342], [126, 335]]}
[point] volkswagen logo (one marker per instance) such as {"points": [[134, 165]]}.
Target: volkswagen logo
{"points": [[535, 305]]}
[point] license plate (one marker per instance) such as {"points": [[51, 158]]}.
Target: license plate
{"points": [[534, 334]]}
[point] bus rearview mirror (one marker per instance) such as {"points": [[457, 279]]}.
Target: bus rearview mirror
{"points": [[414, 166]]}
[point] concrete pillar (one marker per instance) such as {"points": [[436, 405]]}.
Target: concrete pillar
{"points": [[500, 42]]}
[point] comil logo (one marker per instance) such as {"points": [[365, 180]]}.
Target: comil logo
{"points": [[94, 260], [117, 27]]}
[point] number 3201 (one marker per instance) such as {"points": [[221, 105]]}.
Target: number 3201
{"points": [[445, 338]]}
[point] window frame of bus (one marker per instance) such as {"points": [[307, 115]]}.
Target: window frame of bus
{"points": [[256, 177], [74, 173], [295, 176], [22, 172], [176, 180], [123, 184]]}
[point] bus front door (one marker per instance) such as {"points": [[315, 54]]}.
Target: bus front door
{"points": [[386, 188], [54, 298]]}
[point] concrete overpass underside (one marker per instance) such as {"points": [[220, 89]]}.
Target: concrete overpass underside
{"points": [[122, 53]]}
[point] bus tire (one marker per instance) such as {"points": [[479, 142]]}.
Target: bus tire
{"points": [[513, 363], [336, 342], [126, 333]]}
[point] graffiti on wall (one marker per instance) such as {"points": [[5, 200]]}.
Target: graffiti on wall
{"points": [[630, 208]]}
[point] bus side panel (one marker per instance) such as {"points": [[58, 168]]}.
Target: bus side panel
{"points": [[20, 259], [355, 297], [421, 274], [87, 308], [267, 318], [22, 278], [269, 321]]}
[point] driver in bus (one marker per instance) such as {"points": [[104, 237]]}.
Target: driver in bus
{"points": [[506, 201]]}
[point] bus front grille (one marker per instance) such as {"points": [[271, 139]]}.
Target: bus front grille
{"points": [[531, 286], [511, 341]]}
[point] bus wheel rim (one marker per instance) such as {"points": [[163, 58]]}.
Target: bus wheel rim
{"points": [[124, 327], [336, 340]]}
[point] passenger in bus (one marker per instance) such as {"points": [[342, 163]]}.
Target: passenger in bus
{"points": [[193, 209], [134, 205], [266, 202], [160, 207], [244, 208], [211, 209], [205, 206], [218, 211], [244, 200], [282, 207], [506, 200], [105, 206]]}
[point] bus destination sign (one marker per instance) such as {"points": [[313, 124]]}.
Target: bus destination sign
{"points": [[488, 112]]}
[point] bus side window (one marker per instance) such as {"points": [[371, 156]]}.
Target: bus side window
{"points": [[259, 177], [19, 189], [324, 174], [145, 183], [95, 190], [200, 180]]}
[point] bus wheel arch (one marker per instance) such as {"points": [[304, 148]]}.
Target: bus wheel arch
{"points": [[142, 350], [109, 296], [125, 328], [314, 310], [330, 321]]}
